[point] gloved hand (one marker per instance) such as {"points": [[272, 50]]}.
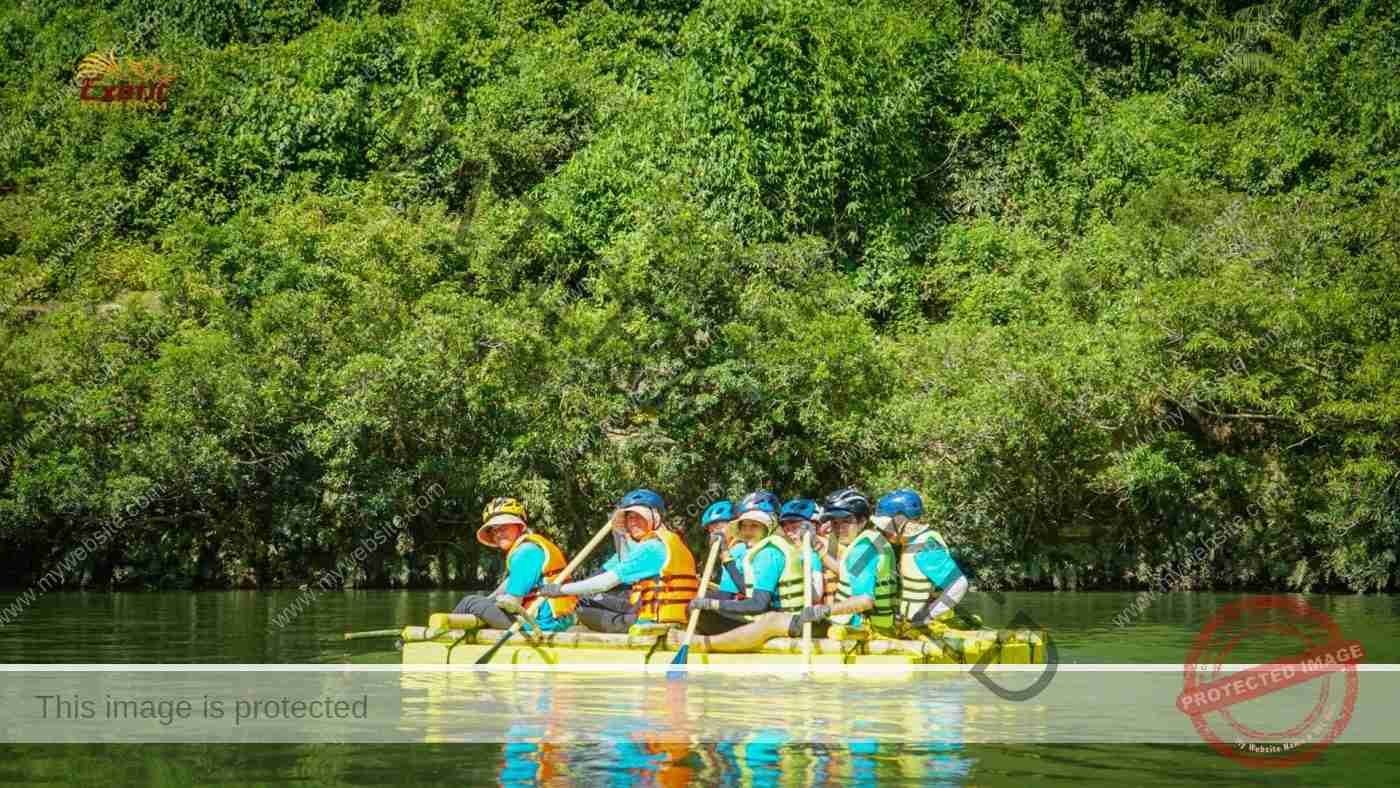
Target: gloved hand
{"points": [[550, 590], [814, 614], [701, 604]]}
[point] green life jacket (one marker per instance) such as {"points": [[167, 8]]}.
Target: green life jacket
{"points": [[789, 596], [917, 593], [881, 617]]}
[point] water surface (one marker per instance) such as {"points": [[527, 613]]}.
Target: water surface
{"points": [[183, 627]]}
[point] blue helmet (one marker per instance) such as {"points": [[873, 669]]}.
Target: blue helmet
{"points": [[845, 502], [760, 500], [905, 502], [643, 497], [799, 509], [718, 512]]}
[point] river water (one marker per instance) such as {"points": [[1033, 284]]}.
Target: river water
{"points": [[233, 627]]}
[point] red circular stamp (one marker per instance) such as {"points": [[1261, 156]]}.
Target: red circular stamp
{"points": [[1297, 688]]}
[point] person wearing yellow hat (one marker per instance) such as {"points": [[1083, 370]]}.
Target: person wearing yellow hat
{"points": [[531, 560]]}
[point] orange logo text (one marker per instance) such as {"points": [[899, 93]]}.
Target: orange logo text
{"points": [[105, 81]]}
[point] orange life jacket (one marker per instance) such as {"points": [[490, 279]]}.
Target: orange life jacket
{"points": [[830, 579], [671, 768], [664, 599], [554, 563]]}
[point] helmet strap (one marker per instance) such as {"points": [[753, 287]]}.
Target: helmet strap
{"points": [[894, 529], [901, 524]]}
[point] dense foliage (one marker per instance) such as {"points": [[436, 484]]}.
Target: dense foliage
{"points": [[1094, 277]]}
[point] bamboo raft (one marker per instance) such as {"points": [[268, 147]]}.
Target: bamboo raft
{"points": [[439, 644]]}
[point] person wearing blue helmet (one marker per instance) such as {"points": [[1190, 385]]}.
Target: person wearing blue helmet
{"points": [[716, 521], [799, 515], [762, 570], [773, 569], [658, 565], [931, 584], [867, 571]]}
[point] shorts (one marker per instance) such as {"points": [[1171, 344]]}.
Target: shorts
{"points": [[615, 601], [713, 622], [603, 618]]}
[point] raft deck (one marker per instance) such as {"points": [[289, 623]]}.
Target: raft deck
{"points": [[431, 646]]}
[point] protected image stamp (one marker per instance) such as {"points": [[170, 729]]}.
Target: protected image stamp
{"points": [[1215, 700]]}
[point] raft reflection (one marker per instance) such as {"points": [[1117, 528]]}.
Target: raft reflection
{"points": [[569, 728], [769, 759]]}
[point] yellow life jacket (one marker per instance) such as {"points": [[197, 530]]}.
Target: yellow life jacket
{"points": [[554, 564], [664, 599], [881, 617], [789, 583], [916, 591]]}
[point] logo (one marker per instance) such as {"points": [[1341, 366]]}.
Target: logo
{"points": [[1224, 706], [108, 82]]}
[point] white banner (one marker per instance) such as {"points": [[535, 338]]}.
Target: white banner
{"points": [[389, 703]]}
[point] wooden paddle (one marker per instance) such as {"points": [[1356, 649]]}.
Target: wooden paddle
{"points": [[807, 591], [562, 578], [684, 653], [374, 633], [449, 621]]}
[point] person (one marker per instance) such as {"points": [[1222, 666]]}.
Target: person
{"points": [[762, 567], [804, 515], [867, 573], [774, 570], [659, 566], [930, 582], [826, 544], [716, 521], [531, 559]]}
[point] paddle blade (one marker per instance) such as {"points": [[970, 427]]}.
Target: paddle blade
{"points": [[491, 652], [680, 659]]}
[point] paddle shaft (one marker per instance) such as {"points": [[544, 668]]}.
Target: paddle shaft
{"points": [[563, 577], [374, 633], [704, 586]]}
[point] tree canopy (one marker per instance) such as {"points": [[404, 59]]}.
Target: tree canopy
{"points": [[1094, 278]]}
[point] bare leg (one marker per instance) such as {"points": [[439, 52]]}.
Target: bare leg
{"points": [[749, 637]]}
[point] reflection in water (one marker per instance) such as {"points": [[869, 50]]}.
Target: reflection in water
{"points": [[644, 733]]}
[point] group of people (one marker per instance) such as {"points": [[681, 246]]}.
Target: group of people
{"points": [[870, 570]]}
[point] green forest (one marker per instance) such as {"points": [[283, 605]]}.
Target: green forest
{"points": [[1103, 280]]}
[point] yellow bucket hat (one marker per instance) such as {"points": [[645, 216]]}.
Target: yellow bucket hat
{"points": [[500, 511]]}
